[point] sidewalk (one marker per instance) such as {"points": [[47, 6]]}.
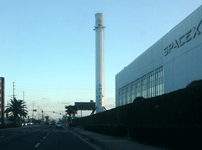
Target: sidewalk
{"points": [[111, 142]]}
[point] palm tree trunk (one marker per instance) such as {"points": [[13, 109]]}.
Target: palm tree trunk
{"points": [[15, 119]]}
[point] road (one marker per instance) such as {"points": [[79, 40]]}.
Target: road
{"points": [[41, 137]]}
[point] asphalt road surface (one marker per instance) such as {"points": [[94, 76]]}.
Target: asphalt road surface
{"points": [[41, 137]]}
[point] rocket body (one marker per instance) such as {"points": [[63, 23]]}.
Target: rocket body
{"points": [[99, 54]]}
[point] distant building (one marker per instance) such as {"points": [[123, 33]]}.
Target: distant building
{"points": [[170, 64], [1, 100]]}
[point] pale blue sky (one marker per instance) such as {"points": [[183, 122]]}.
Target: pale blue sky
{"points": [[47, 47]]}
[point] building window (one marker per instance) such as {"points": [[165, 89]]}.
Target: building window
{"points": [[130, 88], [133, 91], [138, 87], [124, 97], [128, 94], [149, 85], [144, 86], [119, 96], [159, 81]]}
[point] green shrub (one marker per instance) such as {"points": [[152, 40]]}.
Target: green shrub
{"points": [[108, 129], [181, 107], [193, 83], [138, 99]]}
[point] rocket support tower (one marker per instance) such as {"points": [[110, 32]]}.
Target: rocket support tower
{"points": [[99, 48]]}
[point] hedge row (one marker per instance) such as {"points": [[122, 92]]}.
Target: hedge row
{"points": [[172, 119], [108, 129], [175, 137], [176, 108], [9, 126]]}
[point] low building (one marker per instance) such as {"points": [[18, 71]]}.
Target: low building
{"points": [[170, 64]]}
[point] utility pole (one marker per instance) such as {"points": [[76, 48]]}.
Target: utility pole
{"points": [[23, 105], [33, 112], [38, 112], [42, 116], [13, 90]]}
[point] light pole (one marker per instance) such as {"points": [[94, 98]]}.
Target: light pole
{"points": [[42, 116]]}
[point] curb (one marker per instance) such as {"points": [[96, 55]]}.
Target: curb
{"points": [[92, 140]]}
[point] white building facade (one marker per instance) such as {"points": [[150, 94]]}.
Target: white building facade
{"points": [[170, 64], [99, 56]]}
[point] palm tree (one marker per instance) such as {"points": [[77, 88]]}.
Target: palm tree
{"points": [[17, 108], [23, 106]]}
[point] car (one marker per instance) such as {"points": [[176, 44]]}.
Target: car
{"points": [[29, 123], [24, 124], [52, 123], [59, 125]]}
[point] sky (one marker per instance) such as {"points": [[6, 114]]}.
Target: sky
{"points": [[47, 47]]}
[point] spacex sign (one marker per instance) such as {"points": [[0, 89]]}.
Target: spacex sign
{"points": [[183, 39]]}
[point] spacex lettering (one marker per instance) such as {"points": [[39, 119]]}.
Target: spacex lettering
{"points": [[182, 40]]}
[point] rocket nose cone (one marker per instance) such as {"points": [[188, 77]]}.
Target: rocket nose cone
{"points": [[99, 14], [99, 19]]}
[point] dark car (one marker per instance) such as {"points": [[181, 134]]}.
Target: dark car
{"points": [[52, 123]]}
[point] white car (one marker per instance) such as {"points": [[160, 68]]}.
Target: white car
{"points": [[29, 123], [59, 125]]}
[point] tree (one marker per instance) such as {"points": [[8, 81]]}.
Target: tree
{"points": [[193, 83], [74, 112], [47, 118], [24, 112], [138, 99], [17, 108], [70, 109]]}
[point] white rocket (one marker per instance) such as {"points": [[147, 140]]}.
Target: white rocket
{"points": [[99, 48]]}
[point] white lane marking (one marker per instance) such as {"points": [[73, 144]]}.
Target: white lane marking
{"points": [[37, 145], [44, 137]]}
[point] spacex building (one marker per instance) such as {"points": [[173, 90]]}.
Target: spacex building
{"points": [[170, 64]]}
